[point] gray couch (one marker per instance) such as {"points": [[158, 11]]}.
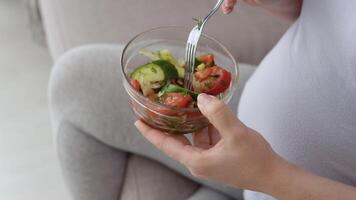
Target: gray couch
{"points": [[249, 33]]}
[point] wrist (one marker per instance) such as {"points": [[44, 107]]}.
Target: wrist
{"points": [[282, 179]]}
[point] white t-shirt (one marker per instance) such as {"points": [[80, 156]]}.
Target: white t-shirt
{"points": [[302, 98]]}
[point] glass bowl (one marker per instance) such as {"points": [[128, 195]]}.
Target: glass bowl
{"points": [[159, 116]]}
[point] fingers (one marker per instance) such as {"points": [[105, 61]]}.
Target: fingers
{"points": [[214, 134], [176, 146], [228, 6], [202, 139], [206, 138], [219, 115]]}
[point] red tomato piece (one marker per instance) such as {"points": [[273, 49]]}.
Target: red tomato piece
{"points": [[207, 59], [213, 80], [178, 100], [204, 74], [135, 84]]}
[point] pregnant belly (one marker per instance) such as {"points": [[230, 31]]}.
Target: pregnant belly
{"points": [[306, 118]]}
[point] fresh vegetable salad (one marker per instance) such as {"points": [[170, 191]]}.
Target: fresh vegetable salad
{"points": [[162, 79]]}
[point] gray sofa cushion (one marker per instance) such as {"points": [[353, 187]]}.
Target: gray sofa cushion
{"points": [[249, 33]]}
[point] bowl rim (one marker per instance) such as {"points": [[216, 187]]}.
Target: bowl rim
{"points": [[183, 29]]}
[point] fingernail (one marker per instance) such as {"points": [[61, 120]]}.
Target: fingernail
{"points": [[228, 11], [137, 123], [204, 99]]}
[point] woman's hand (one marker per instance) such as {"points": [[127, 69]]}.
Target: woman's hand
{"points": [[287, 9], [227, 151], [230, 152]]}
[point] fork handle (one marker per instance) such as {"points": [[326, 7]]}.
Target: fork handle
{"points": [[212, 12]]}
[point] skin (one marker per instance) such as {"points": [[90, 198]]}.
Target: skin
{"points": [[286, 9], [234, 154]]}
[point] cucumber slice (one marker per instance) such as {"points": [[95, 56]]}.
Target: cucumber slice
{"points": [[197, 62], [149, 72], [167, 55], [151, 75], [175, 88], [168, 68], [201, 67], [156, 71]]}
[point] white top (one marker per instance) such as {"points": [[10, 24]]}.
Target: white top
{"points": [[302, 98]]}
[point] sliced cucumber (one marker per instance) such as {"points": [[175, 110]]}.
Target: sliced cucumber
{"points": [[170, 72], [197, 62], [167, 55], [156, 71], [175, 88], [201, 67], [149, 72], [153, 74]]}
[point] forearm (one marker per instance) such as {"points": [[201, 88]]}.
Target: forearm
{"points": [[286, 9], [293, 183]]}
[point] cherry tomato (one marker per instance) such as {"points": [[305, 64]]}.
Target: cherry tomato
{"points": [[204, 74], [135, 84], [178, 100], [207, 59], [212, 80]]}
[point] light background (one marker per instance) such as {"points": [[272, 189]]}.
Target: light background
{"points": [[28, 166]]}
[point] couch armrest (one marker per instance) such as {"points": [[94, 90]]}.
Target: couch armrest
{"points": [[35, 21], [249, 33]]}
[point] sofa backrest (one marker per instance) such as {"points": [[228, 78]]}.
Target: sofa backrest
{"points": [[249, 33]]}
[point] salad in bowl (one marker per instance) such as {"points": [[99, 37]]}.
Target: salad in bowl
{"points": [[154, 79], [162, 80]]}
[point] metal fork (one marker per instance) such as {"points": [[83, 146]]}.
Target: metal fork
{"points": [[192, 43]]}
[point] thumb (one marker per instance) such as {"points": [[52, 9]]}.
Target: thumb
{"points": [[219, 115]]}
